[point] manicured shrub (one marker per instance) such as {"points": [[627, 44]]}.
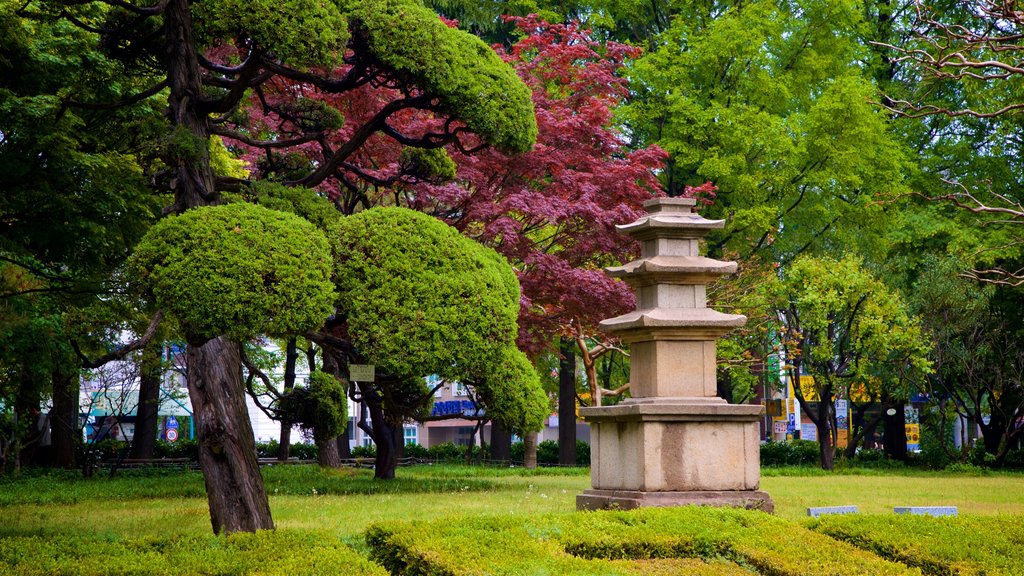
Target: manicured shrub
{"points": [[416, 451], [791, 453], [974, 545], [365, 451], [297, 450], [281, 552], [183, 448], [714, 541]]}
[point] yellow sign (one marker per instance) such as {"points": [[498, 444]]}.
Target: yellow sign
{"points": [[843, 438], [913, 433], [808, 388]]}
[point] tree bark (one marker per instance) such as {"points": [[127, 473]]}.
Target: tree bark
{"points": [[227, 451], [501, 444], [146, 414], [386, 436], [894, 436], [290, 358], [826, 442], [64, 431], [327, 453], [567, 403], [344, 450], [530, 451]]}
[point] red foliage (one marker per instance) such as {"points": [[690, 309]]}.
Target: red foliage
{"points": [[551, 211]]}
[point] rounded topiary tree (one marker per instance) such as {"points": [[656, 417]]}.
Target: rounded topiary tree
{"points": [[320, 408], [419, 298], [238, 270], [227, 273]]}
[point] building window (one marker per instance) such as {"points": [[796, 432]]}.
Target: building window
{"points": [[434, 381], [351, 429], [411, 435], [459, 389], [464, 436]]}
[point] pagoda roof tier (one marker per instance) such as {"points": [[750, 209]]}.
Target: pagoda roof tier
{"points": [[673, 324], [670, 218], [672, 270]]}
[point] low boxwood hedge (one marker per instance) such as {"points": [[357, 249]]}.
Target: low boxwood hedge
{"points": [[279, 553], [712, 541], [964, 545]]}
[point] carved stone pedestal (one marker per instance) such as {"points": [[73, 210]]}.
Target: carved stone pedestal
{"points": [[674, 442]]}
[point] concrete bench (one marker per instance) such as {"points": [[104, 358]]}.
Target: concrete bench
{"points": [[926, 510], [823, 510]]}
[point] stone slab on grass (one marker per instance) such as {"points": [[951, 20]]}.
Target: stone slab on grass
{"points": [[823, 510], [926, 510]]}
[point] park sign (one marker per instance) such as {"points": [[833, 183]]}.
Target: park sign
{"points": [[361, 372]]}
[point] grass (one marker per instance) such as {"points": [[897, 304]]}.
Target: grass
{"points": [[347, 501]]}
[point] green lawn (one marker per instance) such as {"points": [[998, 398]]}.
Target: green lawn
{"points": [[308, 498]]}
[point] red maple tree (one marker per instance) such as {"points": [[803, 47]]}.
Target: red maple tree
{"points": [[551, 211]]}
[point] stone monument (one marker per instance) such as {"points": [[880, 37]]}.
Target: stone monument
{"points": [[674, 442]]}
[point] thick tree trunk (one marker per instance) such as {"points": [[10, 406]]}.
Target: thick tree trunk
{"points": [[530, 451], [227, 450], [501, 444], [567, 404], [327, 453], [894, 437], [146, 415], [387, 437], [290, 358], [344, 450], [826, 444], [64, 432]]}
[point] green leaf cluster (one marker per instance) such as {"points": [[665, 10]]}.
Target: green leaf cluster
{"points": [[300, 32], [420, 298], [321, 407], [772, 102], [841, 322], [237, 269], [470, 81], [428, 163]]}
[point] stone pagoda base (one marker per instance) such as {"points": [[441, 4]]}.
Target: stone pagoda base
{"points": [[630, 499], [674, 452]]}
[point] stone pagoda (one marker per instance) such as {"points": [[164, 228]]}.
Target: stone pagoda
{"points": [[675, 442]]}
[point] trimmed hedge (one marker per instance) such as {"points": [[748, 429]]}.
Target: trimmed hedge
{"points": [[963, 545], [282, 552], [713, 541]]}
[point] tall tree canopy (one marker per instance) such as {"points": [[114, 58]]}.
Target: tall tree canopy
{"points": [[772, 102], [207, 58], [840, 325]]}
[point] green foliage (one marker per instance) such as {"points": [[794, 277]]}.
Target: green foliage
{"points": [[771, 101], [223, 162], [428, 163], [321, 407], [792, 453], [547, 453], [945, 545], [300, 450], [281, 552], [299, 32], [470, 80], [303, 202], [841, 323], [592, 543], [182, 448], [512, 392], [236, 269], [420, 298]]}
